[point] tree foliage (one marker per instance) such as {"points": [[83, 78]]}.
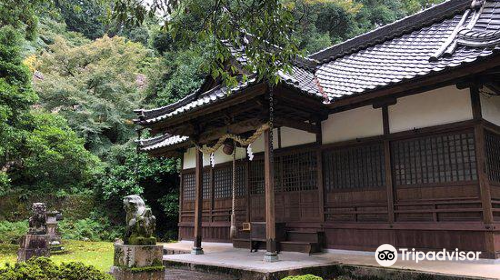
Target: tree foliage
{"points": [[37, 149], [87, 17], [269, 24], [96, 87], [23, 14]]}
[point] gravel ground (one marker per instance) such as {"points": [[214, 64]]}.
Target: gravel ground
{"points": [[181, 274]]}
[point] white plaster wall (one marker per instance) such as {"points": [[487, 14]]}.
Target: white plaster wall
{"points": [[220, 157], [258, 145], [490, 107], [289, 137], [357, 123], [441, 106], [294, 137], [189, 160]]}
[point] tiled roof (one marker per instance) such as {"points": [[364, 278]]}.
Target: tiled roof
{"points": [[443, 37], [160, 142], [191, 102]]}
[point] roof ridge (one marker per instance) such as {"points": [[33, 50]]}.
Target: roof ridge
{"points": [[405, 25]]}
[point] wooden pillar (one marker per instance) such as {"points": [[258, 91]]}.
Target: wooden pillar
{"points": [[319, 167], [247, 167], [198, 206], [271, 254], [212, 194], [388, 165], [484, 183], [181, 193]]}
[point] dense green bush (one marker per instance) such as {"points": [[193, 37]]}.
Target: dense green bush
{"points": [[45, 269], [16, 206], [10, 232], [94, 229], [303, 277]]}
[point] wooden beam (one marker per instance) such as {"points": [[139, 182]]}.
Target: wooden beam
{"points": [[198, 205], [388, 165], [484, 183], [311, 128], [494, 86], [299, 101], [271, 246]]}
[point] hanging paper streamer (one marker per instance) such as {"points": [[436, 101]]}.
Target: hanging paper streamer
{"points": [[250, 152], [212, 159]]}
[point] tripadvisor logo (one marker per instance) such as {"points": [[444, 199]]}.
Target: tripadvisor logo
{"points": [[387, 255]]}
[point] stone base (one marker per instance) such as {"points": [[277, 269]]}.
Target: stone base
{"points": [[138, 255], [128, 274], [197, 251], [138, 262], [33, 245], [271, 257]]}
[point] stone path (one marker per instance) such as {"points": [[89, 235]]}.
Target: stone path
{"points": [[181, 274]]}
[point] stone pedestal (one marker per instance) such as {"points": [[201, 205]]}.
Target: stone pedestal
{"points": [[33, 245], [138, 262]]}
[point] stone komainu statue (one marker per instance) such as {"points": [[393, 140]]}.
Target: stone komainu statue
{"points": [[38, 219], [141, 223]]}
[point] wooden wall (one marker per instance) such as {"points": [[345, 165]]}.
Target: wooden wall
{"points": [[421, 185], [435, 191]]}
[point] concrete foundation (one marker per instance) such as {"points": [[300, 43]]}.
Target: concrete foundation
{"points": [[244, 265], [127, 274]]}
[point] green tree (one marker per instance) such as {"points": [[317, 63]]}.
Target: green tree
{"points": [[96, 87], [87, 17], [177, 74], [15, 101], [23, 14], [270, 23], [37, 149]]}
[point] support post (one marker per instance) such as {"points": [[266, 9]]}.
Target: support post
{"points": [[319, 167], [271, 254], [198, 206], [484, 183], [388, 166]]}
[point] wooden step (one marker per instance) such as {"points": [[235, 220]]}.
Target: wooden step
{"points": [[304, 236], [299, 246]]}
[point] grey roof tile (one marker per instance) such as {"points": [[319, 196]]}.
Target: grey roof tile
{"points": [[381, 58]]}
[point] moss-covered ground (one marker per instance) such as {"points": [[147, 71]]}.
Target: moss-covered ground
{"points": [[98, 254]]}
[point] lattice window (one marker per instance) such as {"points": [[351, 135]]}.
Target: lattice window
{"points": [[434, 159], [241, 172], [189, 187], [294, 172], [256, 177], [354, 167], [207, 186], [223, 180], [299, 172], [493, 155]]}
